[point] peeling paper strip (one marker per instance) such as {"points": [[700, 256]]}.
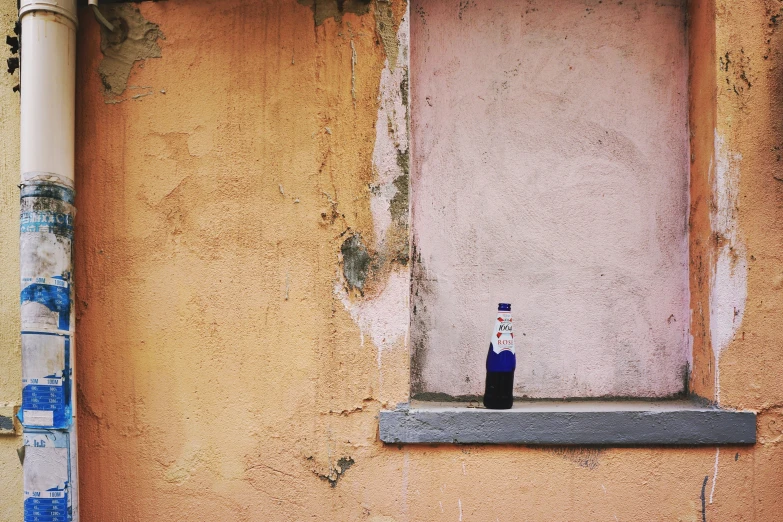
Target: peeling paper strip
{"points": [[48, 476], [46, 380]]}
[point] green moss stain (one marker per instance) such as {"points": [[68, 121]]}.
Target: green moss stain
{"points": [[398, 206], [356, 262]]}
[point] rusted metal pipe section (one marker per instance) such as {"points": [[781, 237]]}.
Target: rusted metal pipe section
{"points": [[48, 412]]}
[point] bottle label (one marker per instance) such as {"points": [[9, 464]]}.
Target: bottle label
{"points": [[503, 336]]}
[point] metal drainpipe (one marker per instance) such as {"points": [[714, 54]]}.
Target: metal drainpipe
{"points": [[48, 412]]}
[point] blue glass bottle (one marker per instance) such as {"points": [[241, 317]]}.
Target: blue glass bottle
{"points": [[501, 362]]}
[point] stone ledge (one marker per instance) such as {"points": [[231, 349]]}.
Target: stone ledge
{"points": [[602, 423]]}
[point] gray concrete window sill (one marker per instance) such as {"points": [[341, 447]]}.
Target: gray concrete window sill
{"points": [[603, 423]]}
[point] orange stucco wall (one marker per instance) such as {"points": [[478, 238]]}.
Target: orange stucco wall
{"points": [[227, 372]]}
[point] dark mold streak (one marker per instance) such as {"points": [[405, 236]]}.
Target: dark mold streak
{"points": [[325, 9], [421, 291], [703, 500], [356, 262]]}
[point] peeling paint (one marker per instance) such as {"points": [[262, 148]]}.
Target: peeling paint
{"points": [[382, 317], [336, 471], [134, 39], [385, 27], [729, 288], [391, 156], [381, 314]]}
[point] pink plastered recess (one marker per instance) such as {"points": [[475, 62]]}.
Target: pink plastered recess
{"points": [[550, 170]]}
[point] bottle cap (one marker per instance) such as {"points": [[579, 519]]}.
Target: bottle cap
{"points": [[504, 307]]}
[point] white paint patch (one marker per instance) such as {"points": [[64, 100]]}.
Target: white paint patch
{"points": [[384, 318], [729, 288], [391, 134], [714, 474], [459, 503]]}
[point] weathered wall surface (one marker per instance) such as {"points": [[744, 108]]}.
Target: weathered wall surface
{"points": [[551, 171], [746, 298], [221, 195], [240, 314]]}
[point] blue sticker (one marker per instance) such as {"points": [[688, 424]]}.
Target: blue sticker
{"points": [[55, 297], [46, 506], [46, 399]]}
